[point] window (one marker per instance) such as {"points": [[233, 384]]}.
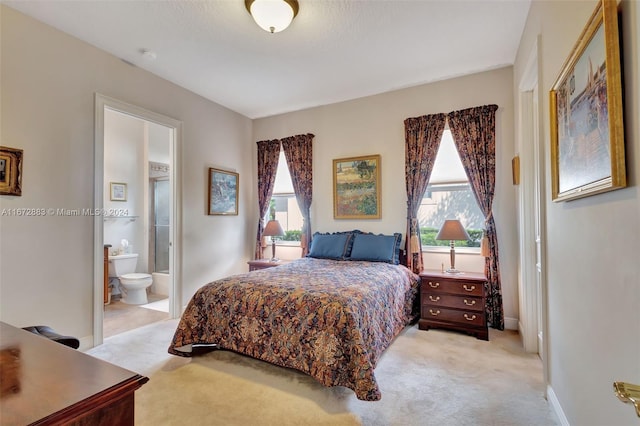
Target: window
{"points": [[284, 207], [449, 196]]}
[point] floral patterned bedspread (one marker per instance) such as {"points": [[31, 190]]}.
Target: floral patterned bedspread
{"points": [[329, 319]]}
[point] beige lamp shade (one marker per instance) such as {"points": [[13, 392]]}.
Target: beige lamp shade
{"points": [[452, 229], [273, 229]]}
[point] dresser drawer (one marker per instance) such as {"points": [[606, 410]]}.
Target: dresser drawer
{"points": [[455, 302], [436, 313], [472, 303], [471, 288]]}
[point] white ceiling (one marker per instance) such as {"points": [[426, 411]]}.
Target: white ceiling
{"points": [[334, 50]]}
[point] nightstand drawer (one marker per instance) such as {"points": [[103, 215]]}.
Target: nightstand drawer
{"points": [[471, 288], [436, 313], [471, 303]]}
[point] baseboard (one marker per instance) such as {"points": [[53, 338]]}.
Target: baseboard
{"points": [[86, 343], [511, 324], [555, 405]]}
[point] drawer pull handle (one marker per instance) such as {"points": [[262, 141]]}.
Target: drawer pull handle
{"points": [[466, 302], [473, 287], [434, 313], [432, 285], [434, 299], [469, 318]]}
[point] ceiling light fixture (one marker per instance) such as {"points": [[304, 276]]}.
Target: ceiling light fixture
{"points": [[272, 15]]}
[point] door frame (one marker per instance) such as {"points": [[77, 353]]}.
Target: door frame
{"points": [[103, 102], [533, 300]]}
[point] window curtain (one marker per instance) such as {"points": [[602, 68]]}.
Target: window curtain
{"points": [[422, 140], [268, 155], [298, 152], [474, 135]]}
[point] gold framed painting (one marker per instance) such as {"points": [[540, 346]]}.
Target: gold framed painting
{"points": [[356, 188], [10, 171], [587, 131], [223, 192]]}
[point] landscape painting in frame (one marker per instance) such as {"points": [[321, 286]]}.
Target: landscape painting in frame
{"points": [[356, 188], [223, 192], [587, 133]]}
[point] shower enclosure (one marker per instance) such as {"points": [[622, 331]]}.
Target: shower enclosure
{"points": [[159, 229], [161, 226]]}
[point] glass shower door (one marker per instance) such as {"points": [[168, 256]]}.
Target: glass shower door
{"points": [[161, 225]]}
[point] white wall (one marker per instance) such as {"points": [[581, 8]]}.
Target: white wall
{"points": [[593, 243], [375, 125], [124, 140], [48, 84]]}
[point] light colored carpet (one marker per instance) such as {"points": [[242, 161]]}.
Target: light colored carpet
{"points": [[426, 378]]}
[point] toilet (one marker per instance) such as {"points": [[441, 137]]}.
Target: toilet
{"points": [[133, 285]]}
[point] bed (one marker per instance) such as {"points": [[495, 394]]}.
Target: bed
{"points": [[330, 315]]}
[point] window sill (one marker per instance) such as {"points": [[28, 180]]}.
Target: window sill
{"points": [[445, 250], [287, 244]]}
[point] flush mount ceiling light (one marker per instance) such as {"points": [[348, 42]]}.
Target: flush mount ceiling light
{"points": [[272, 15]]}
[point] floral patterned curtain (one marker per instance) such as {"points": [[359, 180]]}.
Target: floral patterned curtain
{"points": [[298, 152], [268, 155], [474, 134], [422, 139]]}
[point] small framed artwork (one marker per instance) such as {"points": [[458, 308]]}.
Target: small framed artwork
{"points": [[587, 130], [118, 191], [356, 188], [10, 171], [223, 192]]}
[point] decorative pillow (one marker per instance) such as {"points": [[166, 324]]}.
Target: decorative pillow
{"points": [[331, 246], [377, 248]]}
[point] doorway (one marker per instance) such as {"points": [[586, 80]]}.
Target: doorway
{"points": [[143, 222], [531, 206]]}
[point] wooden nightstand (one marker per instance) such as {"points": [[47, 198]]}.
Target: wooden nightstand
{"points": [[455, 302], [255, 265]]}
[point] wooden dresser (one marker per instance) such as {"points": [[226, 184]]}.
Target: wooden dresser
{"points": [[46, 383], [454, 302]]}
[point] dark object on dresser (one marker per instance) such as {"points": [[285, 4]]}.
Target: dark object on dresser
{"points": [[49, 333], [453, 301]]}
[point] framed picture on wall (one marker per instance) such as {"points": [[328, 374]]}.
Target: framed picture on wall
{"points": [[356, 188], [10, 171], [587, 130], [118, 191], [223, 192]]}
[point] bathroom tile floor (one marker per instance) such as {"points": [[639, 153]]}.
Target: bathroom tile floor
{"points": [[120, 317]]}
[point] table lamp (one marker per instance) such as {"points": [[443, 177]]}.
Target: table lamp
{"points": [[273, 229], [452, 230]]}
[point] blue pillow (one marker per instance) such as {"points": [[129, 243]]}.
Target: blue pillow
{"points": [[330, 246], [377, 248]]}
